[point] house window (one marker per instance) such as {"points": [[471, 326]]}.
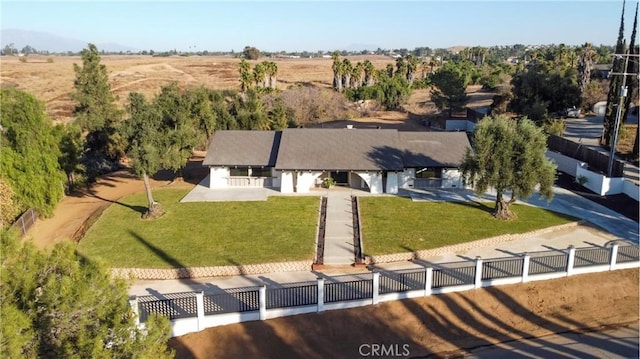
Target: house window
{"points": [[429, 172], [239, 171], [260, 172]]}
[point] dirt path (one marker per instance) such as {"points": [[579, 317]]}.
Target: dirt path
{"points": [[442, 324]]}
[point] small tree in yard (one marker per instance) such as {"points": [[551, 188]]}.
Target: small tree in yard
{"points": [[509, 155], [143, 131]]}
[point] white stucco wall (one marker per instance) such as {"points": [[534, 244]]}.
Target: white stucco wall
{"points": [[392, 182], [286, 181], [306, 181], [565, 164], [405, 179], [599, 183], [451, 178], [276, 178], [218, 177]]}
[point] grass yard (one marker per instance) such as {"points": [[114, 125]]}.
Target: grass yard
{"points": [[203, 234], [395, 224]]}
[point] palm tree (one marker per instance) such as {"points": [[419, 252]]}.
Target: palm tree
{"points": [[272, 72], [356, 75], [585, 64], [259, 74], [246, 77], [401, 68], [412, 66], [347, 69], [369, 73], [337, 71]]}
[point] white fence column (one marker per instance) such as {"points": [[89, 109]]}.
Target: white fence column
{"points": [[571, 260], [525, 267], [478, 279], [428, 281], [262, 299], [320, 294], [614, 256], [133, 303], [200, 309], [376, 288]]}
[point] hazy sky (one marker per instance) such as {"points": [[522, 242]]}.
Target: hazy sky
{"points": [[321, 25]]}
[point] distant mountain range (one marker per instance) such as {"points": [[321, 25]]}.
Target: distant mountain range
{"points": [[43, 41]]}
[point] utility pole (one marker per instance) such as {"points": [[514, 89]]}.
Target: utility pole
{"points": [[623, 94]]}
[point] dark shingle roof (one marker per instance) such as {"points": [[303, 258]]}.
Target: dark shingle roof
{"points": [[339, 149], [433, 149], [243, 148]]}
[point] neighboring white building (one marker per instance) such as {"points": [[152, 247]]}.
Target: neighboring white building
{"points": [[297, 160]]}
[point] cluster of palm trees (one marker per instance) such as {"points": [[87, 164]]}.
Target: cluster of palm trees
{"points": [[262, 76], [346, 75]]}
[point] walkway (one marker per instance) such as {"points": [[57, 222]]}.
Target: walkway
{"points": [[338, 238]]}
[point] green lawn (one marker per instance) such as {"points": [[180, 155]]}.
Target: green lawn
{"points": [[395, 224], [203, 234]]}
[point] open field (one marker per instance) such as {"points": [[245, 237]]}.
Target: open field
{"points": [[203, 233], [52, 82], [427, 225]]}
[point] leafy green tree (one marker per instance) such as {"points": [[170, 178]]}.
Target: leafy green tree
{"points": [[182, 133], [251, 53], [146, 145], [60, 305], [509, 156], [202, 112], [29, 161], [96, 111], [72, 147], [449, 91]]}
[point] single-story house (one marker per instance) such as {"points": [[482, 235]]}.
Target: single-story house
{"points": [[297, 160]]}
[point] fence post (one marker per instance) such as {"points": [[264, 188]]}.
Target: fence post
{"points": [[262, 300], [571, 260], [320, 294], [428, 281], [478, 279], [614, 256], [133, 303], [200, 309], [376, 286], [525, 267]]}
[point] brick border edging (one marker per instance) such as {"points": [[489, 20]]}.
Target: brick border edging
{"points": [[217, 271], [422, 254]]}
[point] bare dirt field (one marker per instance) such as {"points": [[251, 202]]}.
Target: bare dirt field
{"points": [[52, 82], [440, 326]]}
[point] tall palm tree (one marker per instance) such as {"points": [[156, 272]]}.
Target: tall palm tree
{"points": [[585, 64], [337, 71], [246, 77], [259, 74], [412, 66], [272, 74], [356, 75], [347, 69], [369, 73], [401, 68]]}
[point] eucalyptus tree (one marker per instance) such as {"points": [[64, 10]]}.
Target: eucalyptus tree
{"points": [[509, 156]]}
